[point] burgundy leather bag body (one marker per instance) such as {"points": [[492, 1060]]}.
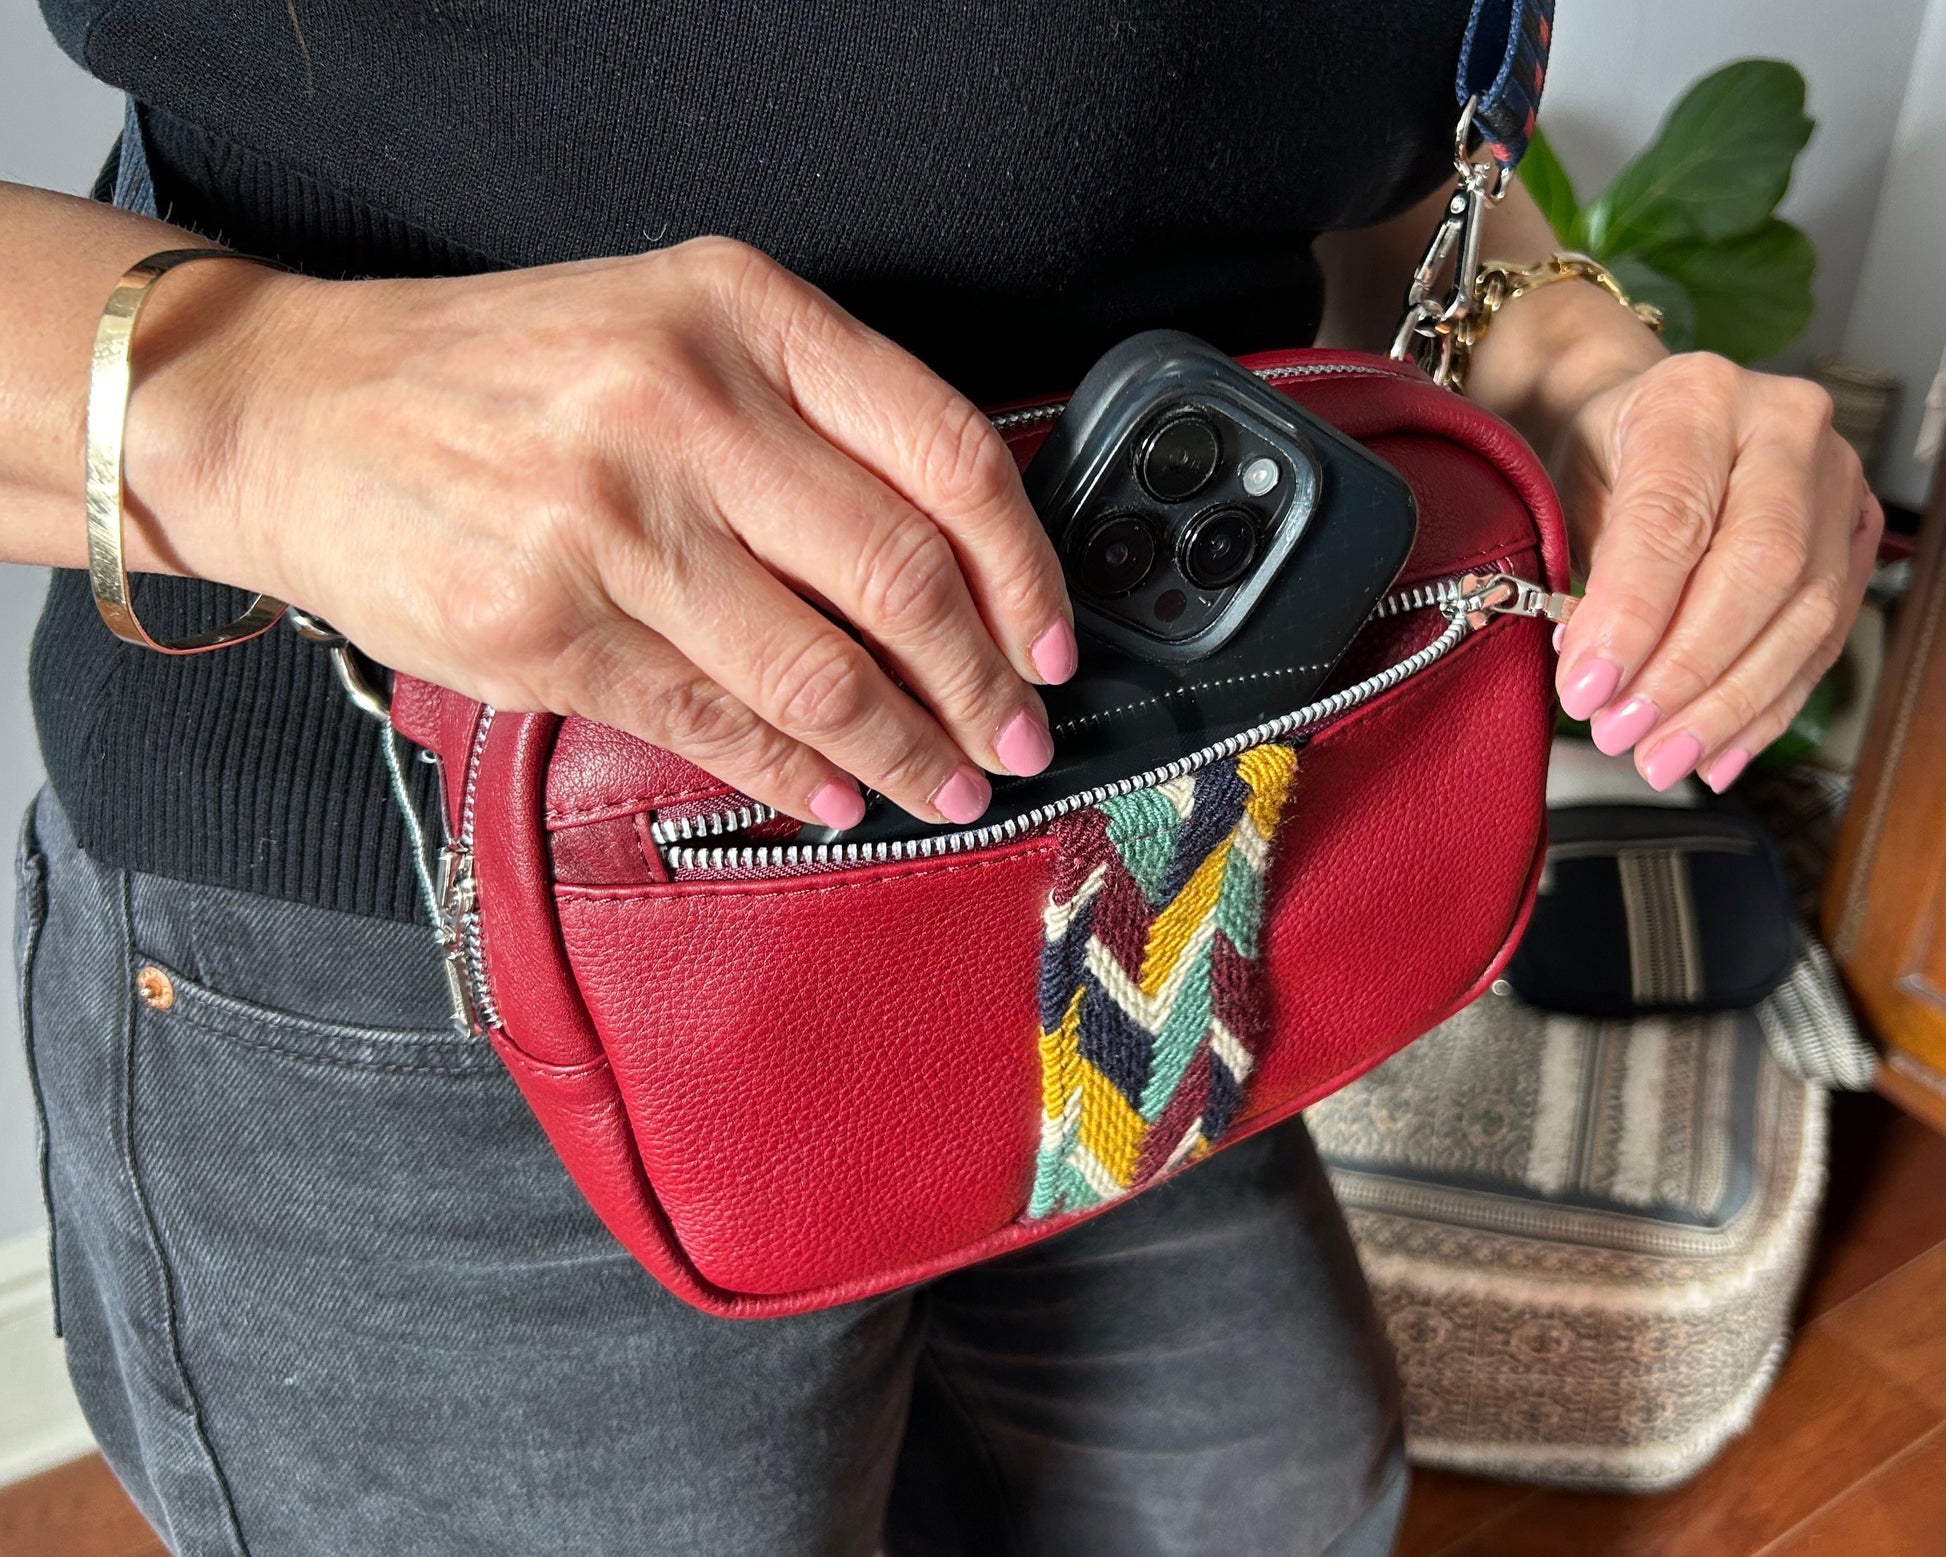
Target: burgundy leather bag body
{"points": [[788, 1082]]}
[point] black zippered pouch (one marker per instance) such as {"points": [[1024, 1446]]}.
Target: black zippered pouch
{"points": [[1647, 909]]}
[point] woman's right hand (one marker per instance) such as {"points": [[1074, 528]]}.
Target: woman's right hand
{"points": [[612, 488]]}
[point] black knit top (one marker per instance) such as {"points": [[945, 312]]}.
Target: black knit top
{"points": [[1006, 187]]}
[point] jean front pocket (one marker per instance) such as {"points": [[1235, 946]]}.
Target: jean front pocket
{"points": [[357, 1222]]}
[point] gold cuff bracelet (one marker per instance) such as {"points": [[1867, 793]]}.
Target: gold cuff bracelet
{"points": [[108, 390]]}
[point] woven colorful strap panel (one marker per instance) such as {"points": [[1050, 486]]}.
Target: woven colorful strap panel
{"points": [[1503, 63], [1150, 1007]]}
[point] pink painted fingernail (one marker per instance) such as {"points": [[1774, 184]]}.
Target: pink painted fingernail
{"points": [[1560, 635], [838, 804], [1024, 745], [1671, 760], [964, 796], [1725, 770], [1592, 686], [1055, 655], [1617, 729]]}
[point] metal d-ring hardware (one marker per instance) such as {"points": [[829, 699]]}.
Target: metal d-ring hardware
{"points": [[1428, 333], [346, 661], [361, 688]]}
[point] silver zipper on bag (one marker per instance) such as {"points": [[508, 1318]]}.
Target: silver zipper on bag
{"points": [[711, 824], [459, 905], [1467, 602]]}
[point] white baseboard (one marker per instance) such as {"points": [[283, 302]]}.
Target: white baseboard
{"points": [[40, 1421]]}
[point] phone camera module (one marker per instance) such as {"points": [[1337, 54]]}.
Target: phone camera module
{"points": [[1218, 547], [1115, 556], [1179, 457]]}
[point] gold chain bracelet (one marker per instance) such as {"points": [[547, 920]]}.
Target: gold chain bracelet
{"points": [[1501, 281], [109, 381]]}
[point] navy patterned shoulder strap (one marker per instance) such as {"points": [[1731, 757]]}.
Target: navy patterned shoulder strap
{"points": [[1502, 64]]}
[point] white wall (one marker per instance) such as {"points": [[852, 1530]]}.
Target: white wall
{"points": [[56, 126], [1617, 66], [57, 123], [1899, 317]]}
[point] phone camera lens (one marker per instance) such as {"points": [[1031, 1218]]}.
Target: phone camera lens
{"points": [[1260, 476], [1179, 457], [1116, 556], [1218, 548]]}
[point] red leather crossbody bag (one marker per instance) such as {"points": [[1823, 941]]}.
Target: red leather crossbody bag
{"points": [[788, 1075], [787, 1078]]}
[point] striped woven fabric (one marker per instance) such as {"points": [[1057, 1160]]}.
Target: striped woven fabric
{"points": [[1503, 62], [1150, 1009]]}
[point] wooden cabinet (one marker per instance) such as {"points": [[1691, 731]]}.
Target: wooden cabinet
{"points": [[1884, 907]]}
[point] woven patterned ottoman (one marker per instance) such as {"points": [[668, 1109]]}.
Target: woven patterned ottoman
{"points": [[1585, 1236]]}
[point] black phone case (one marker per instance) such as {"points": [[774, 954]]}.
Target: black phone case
{"points": [[1132, 707]]}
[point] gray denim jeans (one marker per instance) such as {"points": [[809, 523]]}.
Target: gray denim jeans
{"points": [[327, 1292]]}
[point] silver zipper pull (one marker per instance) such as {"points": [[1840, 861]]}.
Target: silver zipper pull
{"points": [[457, 899], [1482, 595]]}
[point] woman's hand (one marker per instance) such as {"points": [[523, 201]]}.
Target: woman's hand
{"points": [[615, 489], [1724, 529], [1727, 536]]}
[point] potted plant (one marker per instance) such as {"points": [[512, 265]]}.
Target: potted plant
{"points": [[1691, 225]]}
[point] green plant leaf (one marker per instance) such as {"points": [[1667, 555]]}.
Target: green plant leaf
{"points": [[1807, 730], [1752, 293], [1547, 181], [1717, 167], [1645, 284]]}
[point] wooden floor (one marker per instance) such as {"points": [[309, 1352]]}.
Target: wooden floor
{"points": [[1847, 1457]]}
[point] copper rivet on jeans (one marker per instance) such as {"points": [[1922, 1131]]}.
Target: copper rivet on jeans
{"points": [[153, 985]]}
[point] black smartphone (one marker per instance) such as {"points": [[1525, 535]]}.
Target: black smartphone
{"points": [[1221, 547]]}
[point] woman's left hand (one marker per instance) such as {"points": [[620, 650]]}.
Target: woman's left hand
{"points": [[1727, 535]]}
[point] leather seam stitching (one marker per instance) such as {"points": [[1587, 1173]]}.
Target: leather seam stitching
{"points": [[468, 1067], [1190, 689], [787, 884], [657, 799]]}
